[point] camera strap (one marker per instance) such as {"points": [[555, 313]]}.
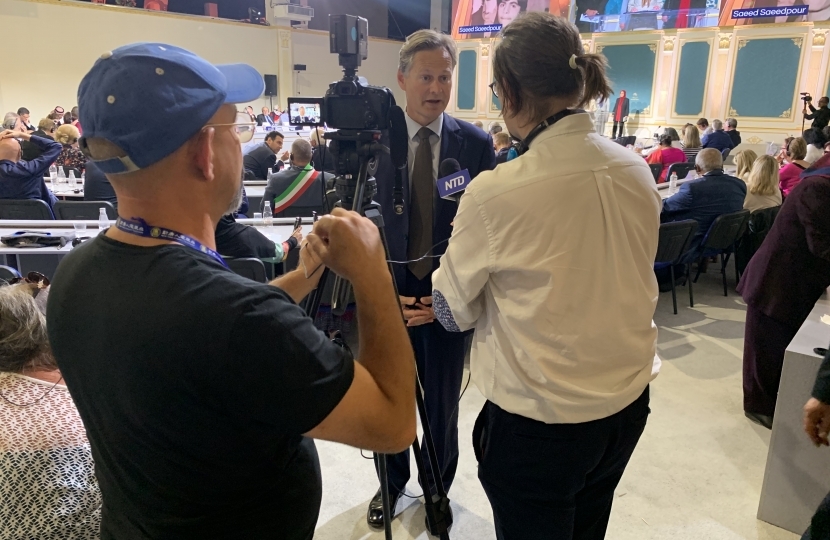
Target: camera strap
{"points": [[524, 145]]}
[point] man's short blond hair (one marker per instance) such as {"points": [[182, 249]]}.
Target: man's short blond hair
{"points": [[501, 139], [426, 40]]}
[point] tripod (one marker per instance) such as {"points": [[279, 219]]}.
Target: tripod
{"points": [[355, 150]]}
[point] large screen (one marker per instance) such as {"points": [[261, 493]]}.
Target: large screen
{"points": [[629, 15], [304, 111], [486, 18]]}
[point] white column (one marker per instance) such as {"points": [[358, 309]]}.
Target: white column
{"points": [[436, 14]]}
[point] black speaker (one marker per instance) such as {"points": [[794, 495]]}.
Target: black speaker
{"points": [[270, 85]]}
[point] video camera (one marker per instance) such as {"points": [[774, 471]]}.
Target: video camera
{"points": [[806, 97], [350, 103]]}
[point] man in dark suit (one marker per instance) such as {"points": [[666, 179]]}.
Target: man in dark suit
{"points": [[46, 129], [307, 195], [718, 139], [427, 61], [781, 284], [820, 116], [588, 8], [731, 129], [265, 118], [707, 197], [264, 156]]}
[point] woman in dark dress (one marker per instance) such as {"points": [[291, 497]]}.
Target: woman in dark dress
{"points": [[782, 283]]}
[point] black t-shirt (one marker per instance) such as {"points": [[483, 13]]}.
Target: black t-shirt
{"points": [[195, 386]]}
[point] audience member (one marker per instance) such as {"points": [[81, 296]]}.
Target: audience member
{"points": [[265, 118], [24, 179], [781, 284], [790, 173], [690, 142], [675, 141], [744, 161], [781, 156], [76, 120], [318, 143], [264, 156], [12, 122], [46, 129], [23, 115], [705, 198], [250, 112], [48, 487], [97, 187], [479, 124], [666, 155], [820, 116], [56, 116], [284, 189], [583, 400], [501, 143], [815, 144], [68, 119], [494, 128], [703, 127], [762, 189], [226, 381], [817, 426], [717, 139], [70, 156], [239, 241], [731, 129]]}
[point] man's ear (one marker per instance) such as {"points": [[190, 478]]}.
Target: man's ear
{"points": [[204, 153], [401, 80]]}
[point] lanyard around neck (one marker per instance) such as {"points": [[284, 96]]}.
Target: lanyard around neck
{"points": [[139, 227]]}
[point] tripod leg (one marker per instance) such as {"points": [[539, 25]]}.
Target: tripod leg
{"points": [[384, 495]]}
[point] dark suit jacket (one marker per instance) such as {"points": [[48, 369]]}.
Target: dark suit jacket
{"points": [[820, 117], [719, 140], [501, 155], [97, 187], [317, 159], [262, 120], [821, 389], [310, 201], [473, 148], [259, 160], [626, 104], [31, 150], [703, 200], [241, 241], [735, 135], [791, 270]]}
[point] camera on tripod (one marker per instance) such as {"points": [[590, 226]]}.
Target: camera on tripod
{"points": [[806, 98]]}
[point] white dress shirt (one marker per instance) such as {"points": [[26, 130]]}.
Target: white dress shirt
{"points": [[435, 140], [813, 153], [551, 261]]}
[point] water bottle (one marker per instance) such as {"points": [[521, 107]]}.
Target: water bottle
{"points": [[82, 179], [72, 177], [53, 171], [673, 183], [61, 176], [270, 172], [103, 220], [267, 216]]}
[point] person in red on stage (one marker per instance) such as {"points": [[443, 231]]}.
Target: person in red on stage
{"points": [[620, 115]]}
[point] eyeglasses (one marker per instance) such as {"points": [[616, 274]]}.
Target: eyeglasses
{"points": [[493, 89], [243, 127], [36, 279]]}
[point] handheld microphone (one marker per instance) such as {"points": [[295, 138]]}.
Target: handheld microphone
{"points": [[452, 181], [399, 152]]}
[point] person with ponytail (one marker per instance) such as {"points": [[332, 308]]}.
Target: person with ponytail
{"points": [[551, 263]]}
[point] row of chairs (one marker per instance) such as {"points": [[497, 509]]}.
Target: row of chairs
{"points": [[682, 168], [35, 209], [739, 233]]}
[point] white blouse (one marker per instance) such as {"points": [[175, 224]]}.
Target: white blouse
{"points": [[48, 487]]}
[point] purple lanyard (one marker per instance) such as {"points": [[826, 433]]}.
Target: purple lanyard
{"points": [[139, 227]]}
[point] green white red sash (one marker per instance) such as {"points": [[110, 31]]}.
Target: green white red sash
{"points": [[299, 186]]}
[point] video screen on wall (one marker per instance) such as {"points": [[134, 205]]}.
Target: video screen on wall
{"points": [[486, 18]]}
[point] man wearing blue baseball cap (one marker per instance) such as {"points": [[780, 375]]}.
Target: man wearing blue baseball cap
{"points": [[200, 390]]}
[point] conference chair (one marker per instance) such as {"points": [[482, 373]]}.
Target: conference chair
{"points": [[83, 210], [25, 209], [674, 240], [682, 170], [759, 224], [7, 273], [725, 153], [252, 269], [721, 239], [656, 169]]}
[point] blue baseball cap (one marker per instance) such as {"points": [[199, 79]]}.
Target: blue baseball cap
{"points": [[150, 98]]}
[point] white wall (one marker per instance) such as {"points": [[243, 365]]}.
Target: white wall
{"points": [[312, 49], [39, 73]]}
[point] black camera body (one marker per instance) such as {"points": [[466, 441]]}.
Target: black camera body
{"points": [[806, 97]]}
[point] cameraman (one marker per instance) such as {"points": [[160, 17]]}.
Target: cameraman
{"points": [[552, 266], [820, 116], [200, 389]]}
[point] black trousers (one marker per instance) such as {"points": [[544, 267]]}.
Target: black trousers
{"points": [[439, 356], [548, 481], [621, 127], [819, 528]]}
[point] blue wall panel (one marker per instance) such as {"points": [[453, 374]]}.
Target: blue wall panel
{"points": [[691, 78], [765, 77], [467, 61], [631, 68]]}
